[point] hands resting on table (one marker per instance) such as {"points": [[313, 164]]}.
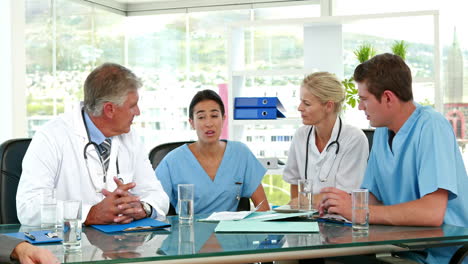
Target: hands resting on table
{"points": [[119, 206]]}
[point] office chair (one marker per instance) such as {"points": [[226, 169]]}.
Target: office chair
{"points": [[370, 136], [160, 151], [459, 255], [11, 159]]}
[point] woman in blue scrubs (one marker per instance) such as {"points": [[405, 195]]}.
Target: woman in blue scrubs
{"points": [[222, 171]]}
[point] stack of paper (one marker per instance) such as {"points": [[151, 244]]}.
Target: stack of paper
{"points": [[224, 216], [270, 222]]}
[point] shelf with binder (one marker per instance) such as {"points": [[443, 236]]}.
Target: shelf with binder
{"points": [[258, 108], [280, 80], [269, 113], [321, 48]]}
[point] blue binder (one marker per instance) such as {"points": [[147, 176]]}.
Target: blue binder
{"points": [[257, 113], [258, 102]]}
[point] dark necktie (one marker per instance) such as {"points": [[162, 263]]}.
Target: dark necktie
{"points": [[105, 152]]}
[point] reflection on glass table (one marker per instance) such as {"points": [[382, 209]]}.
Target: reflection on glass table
{"points": [[118, 245], [198, 243], [205, 240]]}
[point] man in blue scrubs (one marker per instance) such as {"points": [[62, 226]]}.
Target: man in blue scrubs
{"points": [[415, 174]]}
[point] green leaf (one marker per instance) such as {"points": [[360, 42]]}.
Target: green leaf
{"points": [[400, 48], [365, 52]]}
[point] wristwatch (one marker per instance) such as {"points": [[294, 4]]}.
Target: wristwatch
{"points": [[147, 207]]}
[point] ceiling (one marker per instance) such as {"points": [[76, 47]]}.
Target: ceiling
{"points": [[143, 1], [141, 7]]}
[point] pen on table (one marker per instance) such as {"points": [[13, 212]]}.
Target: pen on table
{"points": [[258, 206], [30, 236]]}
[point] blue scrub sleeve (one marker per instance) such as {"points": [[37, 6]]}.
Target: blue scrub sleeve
{"points": [[437, 152], [164, 175], [253, 175]]}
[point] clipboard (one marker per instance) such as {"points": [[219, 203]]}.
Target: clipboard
{"points": [[274, 216], [41, 237], [144, 224], [266, 227], [286, 209]]}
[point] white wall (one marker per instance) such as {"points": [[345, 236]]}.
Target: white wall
{"points": [[12, 70]]}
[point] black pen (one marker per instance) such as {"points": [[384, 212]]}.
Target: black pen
{"points": [[28, 235]]}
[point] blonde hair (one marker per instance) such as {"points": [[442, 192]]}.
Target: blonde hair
{"points": [[326, 87]]}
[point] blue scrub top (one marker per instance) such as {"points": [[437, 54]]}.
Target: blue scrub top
{"points": [[239, 174], [424, 157]]}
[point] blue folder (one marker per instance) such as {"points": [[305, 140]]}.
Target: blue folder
{"points": [[138, 225], [41, 237], [257, 113], [258, 102]]}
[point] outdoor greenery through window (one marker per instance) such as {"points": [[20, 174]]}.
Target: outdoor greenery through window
{"points": [[177, 55]]}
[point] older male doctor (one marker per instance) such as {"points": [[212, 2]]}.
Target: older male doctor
{"points": [[91, 155]]}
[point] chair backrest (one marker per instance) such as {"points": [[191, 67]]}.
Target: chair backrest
{"points": [[370, 136], [11, 159], [160, 151]]}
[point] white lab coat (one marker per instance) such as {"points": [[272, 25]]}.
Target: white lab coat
{"points": [[55, 159], [344, 172]]}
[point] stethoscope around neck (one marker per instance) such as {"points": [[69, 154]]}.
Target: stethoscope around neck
{"points": [[334, 142], [96, 147]]}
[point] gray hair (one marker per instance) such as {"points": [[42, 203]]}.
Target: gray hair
{"points": [[109, 82], [326, 87]]}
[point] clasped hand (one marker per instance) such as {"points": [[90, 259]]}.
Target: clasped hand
{"points": [[335, 201], [119, 206]]}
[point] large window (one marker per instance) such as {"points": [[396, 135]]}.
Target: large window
{"points": [[39, 63], [179, 54], [64, 41], [174, 54], [454, 53], [157, 48]]}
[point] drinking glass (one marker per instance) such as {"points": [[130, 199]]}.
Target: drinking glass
{"points": [[48, 207], [72, 225], [185, 202], [360, 209], [305, 194]]}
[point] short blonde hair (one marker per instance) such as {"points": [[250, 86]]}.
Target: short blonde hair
{"points": [[326, 87]]}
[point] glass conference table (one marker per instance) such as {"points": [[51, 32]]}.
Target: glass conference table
{"points": [[198, 243]]}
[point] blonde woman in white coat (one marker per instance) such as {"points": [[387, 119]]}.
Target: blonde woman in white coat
{"points": [[325, 149]]}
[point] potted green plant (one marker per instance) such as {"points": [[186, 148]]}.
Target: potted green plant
{"points": [[363, 53], [400, 48], [351, 98]]}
